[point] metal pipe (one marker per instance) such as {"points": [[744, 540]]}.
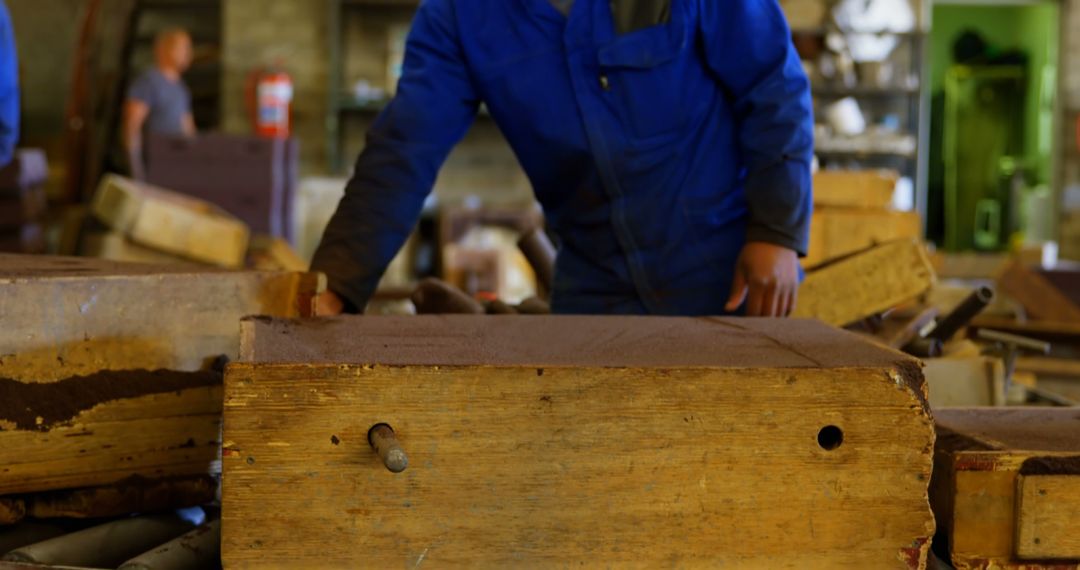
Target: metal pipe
{"points": [[962, 315], [103, 546], [198, 549]]}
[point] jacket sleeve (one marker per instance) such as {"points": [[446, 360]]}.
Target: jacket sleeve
{"points": [[9, 88], [435, 104], [748, 46]]}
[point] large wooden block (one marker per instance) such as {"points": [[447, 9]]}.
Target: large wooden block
{"points": [[65, 317], [1006, 488], [171, 222], [865, 284], [566, 441]]}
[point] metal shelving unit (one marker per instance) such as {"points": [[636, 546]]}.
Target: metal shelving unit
{"points": [[911, 100], [340, 103]]}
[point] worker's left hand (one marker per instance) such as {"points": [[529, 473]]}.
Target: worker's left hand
{"points": [[766, 279]]}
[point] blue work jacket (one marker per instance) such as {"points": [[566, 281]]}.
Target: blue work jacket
{"points": [[9, 88], [656, 154]]}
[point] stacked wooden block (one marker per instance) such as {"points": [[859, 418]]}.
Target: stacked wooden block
{"points": [[23, 203], [549, 441], [108, 378], [146, 223], [853, 211]]}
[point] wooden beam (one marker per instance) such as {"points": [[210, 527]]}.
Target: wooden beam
{"points": [[67, 317], [865, 284]]}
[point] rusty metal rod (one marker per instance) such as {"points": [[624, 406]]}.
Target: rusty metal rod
{"points": [[437, 297], [385, 443]]}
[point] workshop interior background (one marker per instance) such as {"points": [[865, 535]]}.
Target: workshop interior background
{"points": [[947, 165]]}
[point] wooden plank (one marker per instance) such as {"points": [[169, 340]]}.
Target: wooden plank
{"points": [[1059, 367], [866, 189], [865, 284], [837, 232], [1047, 523], [115, 246], [1040, 299], [68, 317], [603, 455], [171, 222]]}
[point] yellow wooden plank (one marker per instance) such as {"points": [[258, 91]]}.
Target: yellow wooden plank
{"points": [[171, 222], [867, 189], [560, 466], [1048, 524], [865, 284], [837, 232]]}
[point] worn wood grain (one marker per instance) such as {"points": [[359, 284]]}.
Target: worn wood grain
{"points": [[153, 436], [1048, 521], [552, 465], [865, 284]]}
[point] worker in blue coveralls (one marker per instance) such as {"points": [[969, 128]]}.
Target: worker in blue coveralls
{"points": [[9, 88], [668, 141]]}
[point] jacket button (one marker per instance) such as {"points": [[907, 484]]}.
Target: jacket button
{"points": [[605, 83]]}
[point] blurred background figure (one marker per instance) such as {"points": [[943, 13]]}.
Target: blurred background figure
{"points": [[158, 101], [9, 88]]}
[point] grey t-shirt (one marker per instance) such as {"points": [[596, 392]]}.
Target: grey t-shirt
{"points": [[169, 102]]}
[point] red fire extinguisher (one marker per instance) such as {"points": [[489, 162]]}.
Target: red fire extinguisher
{"points": [[270, 96]]}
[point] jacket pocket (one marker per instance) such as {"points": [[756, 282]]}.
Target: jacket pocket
{"points": [[645, 71]]}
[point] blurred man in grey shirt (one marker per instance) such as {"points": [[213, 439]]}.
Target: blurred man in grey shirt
{"points": [[158, 102]]}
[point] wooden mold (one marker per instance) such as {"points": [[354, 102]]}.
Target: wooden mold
{"points": [[1006, 487], [548, 441]]}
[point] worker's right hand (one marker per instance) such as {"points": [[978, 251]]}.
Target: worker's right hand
{"points": [[329, 304]]}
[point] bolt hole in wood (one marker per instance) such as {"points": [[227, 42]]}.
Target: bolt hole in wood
{"points": [[830, 438]]}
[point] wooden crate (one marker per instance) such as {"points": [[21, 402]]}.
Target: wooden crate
{"points": [[566, 441], [80, 402], [1006, 487]]}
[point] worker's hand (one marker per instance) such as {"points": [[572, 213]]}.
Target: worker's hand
{"points": [[766, 279], [329, 304]]}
